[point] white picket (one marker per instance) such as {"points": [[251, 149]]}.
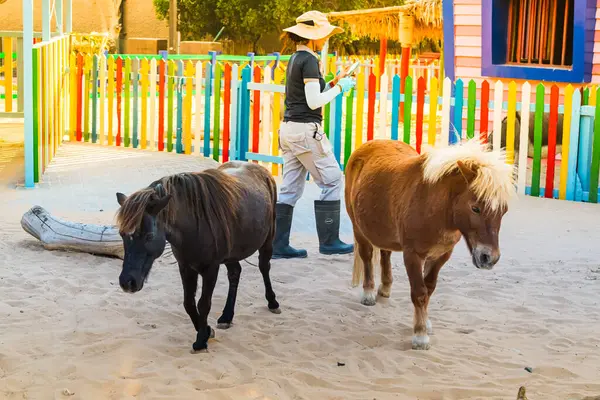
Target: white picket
{"points": [[523, 138], [152, 112], [447, 97], [199, 120], [498, 96]]}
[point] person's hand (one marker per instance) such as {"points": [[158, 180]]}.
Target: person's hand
{"points": [[346, 84], [342, 74]]}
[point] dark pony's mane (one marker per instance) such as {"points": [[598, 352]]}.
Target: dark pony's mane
{"points": [[210, 196]]}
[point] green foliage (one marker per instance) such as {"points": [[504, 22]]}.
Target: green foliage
{"points": [[250, 20]]}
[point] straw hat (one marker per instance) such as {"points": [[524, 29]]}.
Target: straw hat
{"points": [[313, 25]]}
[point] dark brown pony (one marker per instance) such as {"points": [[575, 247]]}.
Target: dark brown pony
{"points": [[218, 216], [421, 205]]}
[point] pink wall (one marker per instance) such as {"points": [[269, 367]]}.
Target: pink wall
{"points": [[467, 43]]}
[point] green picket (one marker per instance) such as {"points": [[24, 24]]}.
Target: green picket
{"points": [[170, 105], [217, 112], [586, 97], [537, 140], [407, 108], [328, 78], [349, 120], [471, 109], [127, 91], [36, 120], [595, 169]]}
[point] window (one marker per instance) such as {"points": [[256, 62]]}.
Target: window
{"points": [[544, 39], [538, 39]]}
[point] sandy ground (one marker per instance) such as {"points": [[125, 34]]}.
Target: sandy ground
{"points": [[66, 325]]}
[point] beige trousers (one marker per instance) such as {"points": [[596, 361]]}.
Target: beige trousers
{"points": [[305, 148]]}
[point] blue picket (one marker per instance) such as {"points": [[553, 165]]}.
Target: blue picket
{"points": [[134, 82], [573, 145], [337, 131], [207, 92], [245, 114], [456, 133], [179, 86], [395, 105]]}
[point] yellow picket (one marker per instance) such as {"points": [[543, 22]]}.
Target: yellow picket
{"points": [[187, 107], [564, 164], [510, 125], [360, 106], [433, 105], [144, 70]]}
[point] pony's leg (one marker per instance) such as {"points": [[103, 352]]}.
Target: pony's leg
{"points": [[419, 296], [432, 270], [209, 280], [234, 271], [189, 279], [365, 251], [385, 288], [264, 265]]}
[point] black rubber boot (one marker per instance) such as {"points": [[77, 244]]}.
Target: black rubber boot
{"points": [[327, 215], [281, 242]]}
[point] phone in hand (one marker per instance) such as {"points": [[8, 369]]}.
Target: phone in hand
{"points": [[353, 68]]}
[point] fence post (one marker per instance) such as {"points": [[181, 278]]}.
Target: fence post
{"points": [[28, 114], [20, 72], [244, 126], [573, 146], [275, 64], [213, 63], [233, 149], [586, 133], [251, 62]]}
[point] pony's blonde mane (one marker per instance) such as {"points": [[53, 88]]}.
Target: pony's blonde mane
{"points": [[494, 180]]}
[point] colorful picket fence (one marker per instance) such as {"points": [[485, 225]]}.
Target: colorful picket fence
{"points": [[8, 66], [219, 109], [50, 99]]}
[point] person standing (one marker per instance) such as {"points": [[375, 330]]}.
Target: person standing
{"points": [[303, 143]]}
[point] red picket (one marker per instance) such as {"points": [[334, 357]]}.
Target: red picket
{"points": [[226, 114], [371, 106], [552, 123], [79, 95], [119, 94], [420, 105], [485, 112], [256, 111], [161, 105]]}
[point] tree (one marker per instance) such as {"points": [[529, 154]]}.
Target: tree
{"points": [[197, 18], [250, 20]]}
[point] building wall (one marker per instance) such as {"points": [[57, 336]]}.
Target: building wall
{"points": [[93, 16], [141, 22], [467, 44]]}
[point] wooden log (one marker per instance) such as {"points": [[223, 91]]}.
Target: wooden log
{"points": [[58, 234]]}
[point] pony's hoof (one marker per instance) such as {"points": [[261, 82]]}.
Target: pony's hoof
{"points": [[384, 291], [223, 325], [211, 335], [201, 351], [275, 310], [420, 343], [369, 298], [200, 347], [429, 327]]}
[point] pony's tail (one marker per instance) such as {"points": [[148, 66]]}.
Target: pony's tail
{"points": [[358, 269]]}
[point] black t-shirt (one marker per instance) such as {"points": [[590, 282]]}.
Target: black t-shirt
{"points": [[302, 65]]}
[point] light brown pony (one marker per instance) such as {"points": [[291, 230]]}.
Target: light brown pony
{"points": [[421, 205]]}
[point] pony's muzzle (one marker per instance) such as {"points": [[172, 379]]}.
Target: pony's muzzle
{"points": [[129, 284], [484, 257]]}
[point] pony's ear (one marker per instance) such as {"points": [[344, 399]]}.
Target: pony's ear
{"points": [[467, 172], [156, 206], [121, 198]]}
